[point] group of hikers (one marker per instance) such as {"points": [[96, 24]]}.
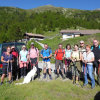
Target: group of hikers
{"points": [[83, 58]]}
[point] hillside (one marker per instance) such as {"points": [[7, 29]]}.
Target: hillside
{"points": [[14, 22]]}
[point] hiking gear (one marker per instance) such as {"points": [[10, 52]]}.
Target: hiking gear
{"points": [[57, 76], [1, 83], [92, 47], [50, 77], [60, 54], [47, 49], [10, 82], [92, 87]]}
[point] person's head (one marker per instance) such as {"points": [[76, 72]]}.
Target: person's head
{"points": [[32, 45], [68, 46], [88, 48], [8, 49], [23, 47], [81, 43], [76, 47], [13, 48], [95, 43], [60, 46], [45, 46]]}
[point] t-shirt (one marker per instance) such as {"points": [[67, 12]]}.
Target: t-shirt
{"points": [[23, 55], [60, 54], [33, 53], [88, 57], [46, 53], [68, 53], [6, 58], [15, 54], [76, 55], [96, 51]]}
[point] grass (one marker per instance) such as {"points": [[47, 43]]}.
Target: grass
{"points": [[53, 90]]}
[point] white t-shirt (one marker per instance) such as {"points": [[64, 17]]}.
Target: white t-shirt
{"points": [[88, 57]]}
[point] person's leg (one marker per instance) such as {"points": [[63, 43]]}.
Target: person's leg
{"points": [[66, 66], [24, 70], [9, 77], [62, 69], [57, 68], [85, 75], [2, 77], [49, 68], [44, 69], [90, 72]]}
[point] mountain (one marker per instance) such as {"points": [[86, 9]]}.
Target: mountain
{"points": [[14, 22]]}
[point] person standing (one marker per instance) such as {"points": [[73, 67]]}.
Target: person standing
{"points": [[76, 57], [68, 52], [88, 59], [34, 57], [15, 63], [7, 59], [46, 54], [59, 56], [96, 50], [23, 58]]}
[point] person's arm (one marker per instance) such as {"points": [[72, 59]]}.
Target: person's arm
{"points": [[38, 56], [55, 54], [2, 60]]}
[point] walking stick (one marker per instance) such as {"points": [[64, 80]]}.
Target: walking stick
{"points": [[11, 71], [98, 68], [7, 72], [85, 69]]}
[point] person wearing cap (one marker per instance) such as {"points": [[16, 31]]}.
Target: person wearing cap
{"points": [[82, 50], [33, 54], [15, 63], [23, 58]]}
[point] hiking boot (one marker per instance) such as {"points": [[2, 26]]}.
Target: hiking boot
{"points": [[77, 83], [1, 83], [44, 77], [57, 76], [93, 87], [63, 77], [10, 82], [50, 77], [85, 84]]}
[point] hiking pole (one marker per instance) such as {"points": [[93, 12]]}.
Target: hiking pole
{"points": [[85, 69], [11, 71], [7, 72]]}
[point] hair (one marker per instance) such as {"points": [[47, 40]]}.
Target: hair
{"points": [[8, 47], [88, 46], [60, 43], [46, 44], [76, 45], [68, 45]]}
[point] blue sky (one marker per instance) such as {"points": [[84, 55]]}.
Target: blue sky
{"points": [[29, 4]]}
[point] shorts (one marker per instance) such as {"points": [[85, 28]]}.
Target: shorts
{"points": [[6, 69], [23, 64], [59, 63], [46, 65], [67, 62], [76, 69]]}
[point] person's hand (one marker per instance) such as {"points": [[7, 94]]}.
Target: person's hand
{"points": [[85, 61], [7, 61], [99, 60]]}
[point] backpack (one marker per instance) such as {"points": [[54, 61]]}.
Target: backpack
{"points": [[48, 49], [35, 50], [60, 52], [92, 47]]}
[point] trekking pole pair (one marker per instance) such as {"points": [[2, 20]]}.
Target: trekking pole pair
{"points": [[9, 65]]}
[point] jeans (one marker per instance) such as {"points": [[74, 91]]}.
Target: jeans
{"points": [[89, 69]]}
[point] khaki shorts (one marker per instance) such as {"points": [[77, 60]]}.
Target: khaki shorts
{"points": [[59, 63], [46, 65]]}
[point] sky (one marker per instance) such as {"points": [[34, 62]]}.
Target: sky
{"points": [[29, 4]]}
